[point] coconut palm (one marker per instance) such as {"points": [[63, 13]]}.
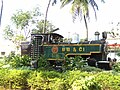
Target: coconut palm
{"points": [[81, 9]]}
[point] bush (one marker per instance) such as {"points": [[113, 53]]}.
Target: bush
{"points": [[4, 73], [73, 63], [44, 80], [52, 80], [14, 79], [108, 80], [16, 61], [116, 67], [59, 84], [18, 78], [78, 80], [86, 84], [43, 62], [91, 69]]}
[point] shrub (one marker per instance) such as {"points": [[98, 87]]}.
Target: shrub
{"points": [[91, 69], [44, 80], [16, 61], [4, 73], [14, 79], [43, 62], [116, 67], [59, 84], [52, 80], [18, 79], [71, 76], [108, 80], [78, 80], [86, 84], [73, 63]]}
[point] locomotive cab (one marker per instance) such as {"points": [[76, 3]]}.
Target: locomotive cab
{"points": [[55, 38]]}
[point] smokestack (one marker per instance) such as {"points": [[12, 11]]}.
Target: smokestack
{"points": [[97, 35]]}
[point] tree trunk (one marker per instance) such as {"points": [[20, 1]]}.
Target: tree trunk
{"points": [[1, 11], [46, 16], [86, 27]]}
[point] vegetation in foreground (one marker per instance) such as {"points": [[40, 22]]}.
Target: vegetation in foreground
{"points": [[75, 75]]}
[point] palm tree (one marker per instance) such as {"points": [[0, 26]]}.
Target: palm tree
{"points": [[81, 8]]}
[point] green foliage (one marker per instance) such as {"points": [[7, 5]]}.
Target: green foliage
{"points": [[71, 76], [118, 53], [116, 67], [8, 33], [91, 69], [74, 63], [4, 73], [52, 80], [24, 62], [78, 80], [108, 80], [59, 84], [77, 75], [51, 74], [16, 61], [40, 27], [21, 19], [45, 80], [18, 78], [13, 79], [81, 7], [85, 84], [43, 62]]}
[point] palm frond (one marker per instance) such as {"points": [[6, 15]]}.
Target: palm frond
{"points": [[54, 2], [65, 2], [79, 8], [94, 6]]}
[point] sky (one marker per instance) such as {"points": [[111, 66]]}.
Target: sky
{"points": [[108, 12]]}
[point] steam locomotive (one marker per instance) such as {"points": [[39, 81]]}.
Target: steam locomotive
{"points": [[52, 46]]}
